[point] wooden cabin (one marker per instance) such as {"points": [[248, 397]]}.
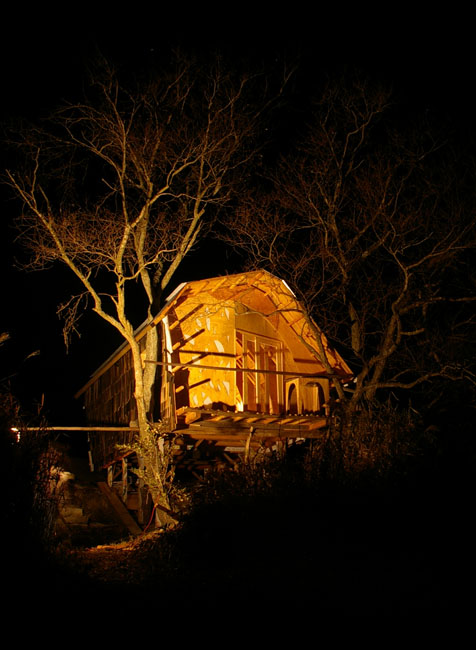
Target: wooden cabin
{"points": [[238, 368]]}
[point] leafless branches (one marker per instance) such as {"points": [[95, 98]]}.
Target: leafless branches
{"points": [[370, 227], [128, 180], [121, 186]]}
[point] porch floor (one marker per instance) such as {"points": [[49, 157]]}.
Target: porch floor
{"points": [[229, 428]]}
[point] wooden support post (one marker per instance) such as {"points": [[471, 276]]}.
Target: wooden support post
{"points": [[281, 448], [90, 454], [120, 509], [247, 445], [124, 480], [141, 497]]}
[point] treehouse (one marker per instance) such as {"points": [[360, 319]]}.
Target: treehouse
{"points": [[239, 366]]}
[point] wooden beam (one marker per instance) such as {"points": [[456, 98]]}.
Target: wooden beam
{"points": [[271, 426], [120, 509], [232, 435], [288, 373], [48, 428]]}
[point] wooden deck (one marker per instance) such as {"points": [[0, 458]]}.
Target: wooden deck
{"points": [[237, 429]]}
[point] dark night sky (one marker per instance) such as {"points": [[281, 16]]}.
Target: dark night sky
{"points": [[430, 65]]}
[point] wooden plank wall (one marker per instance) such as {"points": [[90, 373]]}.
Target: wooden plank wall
{"points": [[110, 400]]}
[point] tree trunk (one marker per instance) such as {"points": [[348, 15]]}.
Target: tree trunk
{"points": [[153, 465]]}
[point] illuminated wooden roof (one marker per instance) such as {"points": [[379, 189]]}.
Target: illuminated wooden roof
{"points": [[262, 292], [257, 291]]}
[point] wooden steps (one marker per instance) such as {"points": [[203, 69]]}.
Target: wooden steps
{"points": [[120, 509]]}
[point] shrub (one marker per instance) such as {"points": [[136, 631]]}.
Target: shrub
{"points": [[28, 458]]}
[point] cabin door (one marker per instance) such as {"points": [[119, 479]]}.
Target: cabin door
{"points": [[259, 385]]}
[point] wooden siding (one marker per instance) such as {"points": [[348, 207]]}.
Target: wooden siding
{"points": [[110, 398], [105, 446]]}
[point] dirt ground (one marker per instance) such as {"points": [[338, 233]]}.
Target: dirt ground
{"points": [[355, 558]]}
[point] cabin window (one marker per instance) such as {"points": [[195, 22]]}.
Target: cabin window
{"points": [[259, 381]]}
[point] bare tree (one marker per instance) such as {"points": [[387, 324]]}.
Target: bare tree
{"points": [[120, 187], [372, 228]]}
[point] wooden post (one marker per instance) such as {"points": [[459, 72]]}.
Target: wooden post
{"points": [[120, 509], [90, 453], [141, 498], [124, 480], [247, 444]]}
